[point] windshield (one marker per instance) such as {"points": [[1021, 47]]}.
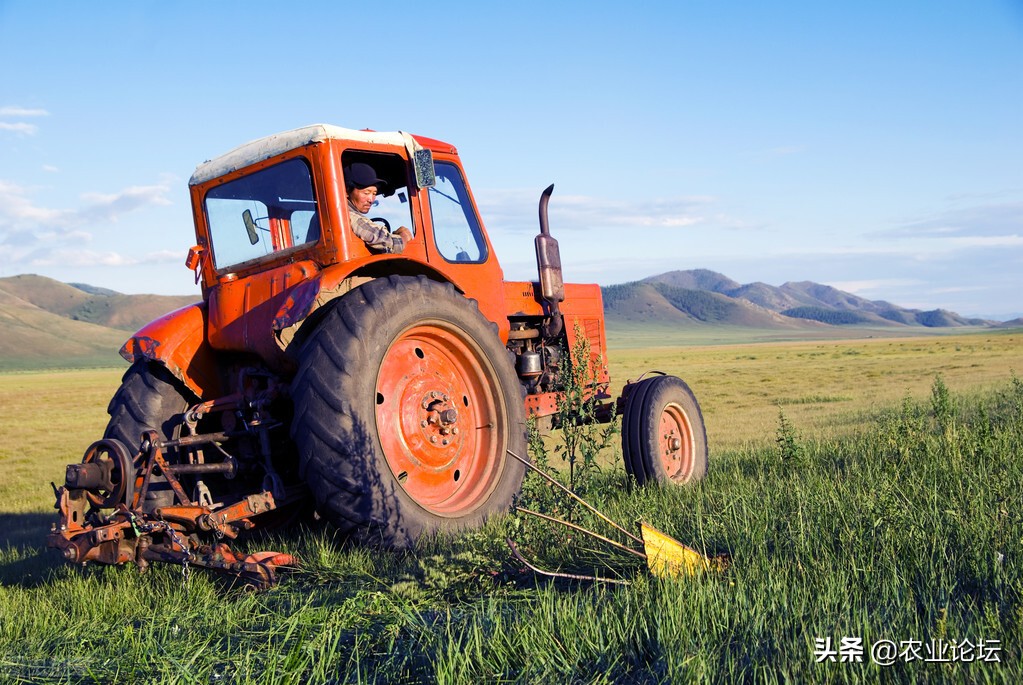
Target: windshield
{"points": [[265, 212], [456, 229]]}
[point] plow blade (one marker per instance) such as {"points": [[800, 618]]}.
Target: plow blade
{"points": [[666, 557]]}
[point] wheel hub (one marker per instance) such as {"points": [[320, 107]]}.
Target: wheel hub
{"points": [[676, 442], [440, 419]]}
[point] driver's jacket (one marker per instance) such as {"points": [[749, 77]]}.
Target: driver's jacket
{"points": [[375, 235]]}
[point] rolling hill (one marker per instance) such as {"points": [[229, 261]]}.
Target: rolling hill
{"points": [[80, 302], [33, 338], [48, 324]]}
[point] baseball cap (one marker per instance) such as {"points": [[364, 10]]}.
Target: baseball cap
{"points": [[362, 175]]}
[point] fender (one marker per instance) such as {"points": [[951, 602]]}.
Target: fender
{"points": [[178, 341], [306, 298]]}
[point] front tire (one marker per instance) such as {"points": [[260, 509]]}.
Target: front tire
{"points": [[664, 439], [406, 403]]}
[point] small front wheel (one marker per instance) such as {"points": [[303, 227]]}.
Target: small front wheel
{"points": [[663, 436]]}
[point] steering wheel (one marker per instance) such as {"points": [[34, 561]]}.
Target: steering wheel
{"points": [[381, 220]]}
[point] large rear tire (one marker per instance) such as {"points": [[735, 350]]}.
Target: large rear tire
{"points": [[664, 439], [406, 403]]}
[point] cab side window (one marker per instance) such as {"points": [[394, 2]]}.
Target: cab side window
{"points": [[392, 206], [456, 228]]}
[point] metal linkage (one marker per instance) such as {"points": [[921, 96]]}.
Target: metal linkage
{"points": [[108, 479], [664, 555]]}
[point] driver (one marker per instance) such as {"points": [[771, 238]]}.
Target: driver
{"points": [[362, 186]]}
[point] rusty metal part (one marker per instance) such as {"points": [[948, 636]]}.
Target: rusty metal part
{"points": [[105, 474], [88, 531], [258, 570], [156, 455], [169, 535], [523, 333]]}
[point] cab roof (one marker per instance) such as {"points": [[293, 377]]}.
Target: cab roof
{"points": [[265, 148]]}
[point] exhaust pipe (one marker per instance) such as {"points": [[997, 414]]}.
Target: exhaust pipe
{"points": [[548, 263]]}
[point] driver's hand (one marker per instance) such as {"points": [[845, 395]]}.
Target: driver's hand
{"points": [[406, 235]]}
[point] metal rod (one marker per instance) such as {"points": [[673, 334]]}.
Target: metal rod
{"points": [[573, 526], [554, 574], [189, 440], [577, 498], [222, 467]]}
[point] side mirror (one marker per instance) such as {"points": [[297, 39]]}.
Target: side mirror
{"points": [[194, 260], [422, 160], [250, 226]]}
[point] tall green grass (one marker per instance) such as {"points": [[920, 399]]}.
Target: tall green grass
{"points": [[911, 529]]}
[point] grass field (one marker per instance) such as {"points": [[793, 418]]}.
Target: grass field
{"points": [[886, 507]]}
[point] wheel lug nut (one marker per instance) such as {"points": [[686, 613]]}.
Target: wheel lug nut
{"points": [[424, 423], [433, 439], [444, 441]]}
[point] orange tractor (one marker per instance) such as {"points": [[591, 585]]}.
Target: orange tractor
{"points": [[390, 386]]}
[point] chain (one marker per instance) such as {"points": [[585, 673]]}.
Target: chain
{"points": [[140, 526]]}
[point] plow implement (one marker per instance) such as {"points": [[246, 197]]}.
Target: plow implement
{"points": [[665, 556], [103, 516]]}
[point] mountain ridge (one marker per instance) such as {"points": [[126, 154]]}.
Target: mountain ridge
{"points": [[803, 300], [45, 323]]}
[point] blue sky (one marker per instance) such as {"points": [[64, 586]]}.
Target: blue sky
{"points": [[873, 146]]}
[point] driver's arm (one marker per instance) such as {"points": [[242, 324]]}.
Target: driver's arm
{"points": [[376, 236]]}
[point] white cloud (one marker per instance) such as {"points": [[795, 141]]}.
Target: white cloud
{"points": [[960, 289], [785, 150], [78, 257], [18, 211], [938, 246], [874, 285], [20, 127], [110, 206], [163, 257], [985, 241], [15, 111], [516, 210], [34, 235], [1004, 218]]}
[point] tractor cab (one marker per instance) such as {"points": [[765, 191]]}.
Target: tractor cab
{"points": [[273, 215]]}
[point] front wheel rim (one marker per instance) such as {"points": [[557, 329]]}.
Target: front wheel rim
{"points": [[675, 442], [440, 418]]}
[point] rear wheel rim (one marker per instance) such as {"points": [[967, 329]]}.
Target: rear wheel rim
{"points": [[675, 442], [440, 419]]}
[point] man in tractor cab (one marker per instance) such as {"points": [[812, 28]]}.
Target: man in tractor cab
{"points": [[362, 186]]}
